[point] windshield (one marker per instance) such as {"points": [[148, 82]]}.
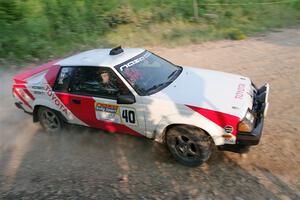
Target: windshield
{"points": [[148, 73]]}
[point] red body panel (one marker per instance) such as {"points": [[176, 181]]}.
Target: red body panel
{"points": [[85, 111], [219, 118], [52, 74]]}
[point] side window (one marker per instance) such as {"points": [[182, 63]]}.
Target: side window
{"points": [[63, 79], [97, 81]]}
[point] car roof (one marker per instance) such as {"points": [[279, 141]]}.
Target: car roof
{"points": [[100, 57]]}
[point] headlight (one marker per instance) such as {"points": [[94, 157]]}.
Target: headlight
{"points": [[249, 116], [247, 124]]}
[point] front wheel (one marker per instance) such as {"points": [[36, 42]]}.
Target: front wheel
{"points": [[189, 145], [50, 120]]}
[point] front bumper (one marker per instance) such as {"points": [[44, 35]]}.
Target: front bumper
{"points": [[260, 107], [245, 139], [252, 138]]}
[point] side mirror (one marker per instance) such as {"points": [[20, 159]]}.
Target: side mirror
{"points": [[126, 99]]}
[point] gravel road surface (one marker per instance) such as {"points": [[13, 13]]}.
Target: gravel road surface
{"points": [[83, 163]]}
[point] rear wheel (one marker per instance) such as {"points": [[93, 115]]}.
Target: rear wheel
{"points": [[50, 120], [189, 145]]}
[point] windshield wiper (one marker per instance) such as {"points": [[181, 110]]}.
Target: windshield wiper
{"points": [[174, 72], [154, 87]]}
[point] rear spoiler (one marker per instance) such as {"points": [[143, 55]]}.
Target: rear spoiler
{"points": [[21, 77]]}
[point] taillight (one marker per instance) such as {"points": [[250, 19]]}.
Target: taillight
{"points": [[23, 92]]}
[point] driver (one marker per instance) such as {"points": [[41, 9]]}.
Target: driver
{"points": [[106, 82]]}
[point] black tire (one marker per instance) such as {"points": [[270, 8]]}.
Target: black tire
{"points": [[189, 145], [50, 120]]}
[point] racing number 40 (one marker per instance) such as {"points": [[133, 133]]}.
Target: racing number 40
{"points": [[128, 116]]}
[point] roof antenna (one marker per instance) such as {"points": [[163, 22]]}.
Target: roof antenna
{"points": [[115, 51]]}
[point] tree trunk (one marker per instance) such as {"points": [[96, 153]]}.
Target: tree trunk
{"points": [[195, 5]]}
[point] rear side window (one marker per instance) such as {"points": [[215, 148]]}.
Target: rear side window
{"points": [[63, 79]]}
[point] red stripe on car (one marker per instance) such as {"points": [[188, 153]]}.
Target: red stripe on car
{"points": [[22, 99], [52, 74], [19, 86], [29, 94], [24, 75], [219, 118]]}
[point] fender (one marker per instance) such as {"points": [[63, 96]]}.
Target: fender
{"points": [[201, 122]]}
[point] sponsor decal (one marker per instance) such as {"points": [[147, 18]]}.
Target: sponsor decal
{"points": [[38, 87], [229, 140], [135, 61], [107, 112], [228, 129], [38, 93], [106, 107], [228, 137], [57, 101], [115, 113], [240, 91], [132, 75]]}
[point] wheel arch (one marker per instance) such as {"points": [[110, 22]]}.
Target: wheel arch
{"points": [[162, 137], [35, 117], [35, 113]]}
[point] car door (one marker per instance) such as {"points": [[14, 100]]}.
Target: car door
{"points": [[92, 97]]}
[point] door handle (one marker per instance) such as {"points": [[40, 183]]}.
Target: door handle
{"points": [[76, 101]]}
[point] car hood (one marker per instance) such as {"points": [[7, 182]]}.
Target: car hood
{"points": [[213, 90]]}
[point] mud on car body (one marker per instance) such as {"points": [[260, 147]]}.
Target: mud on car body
{"points": [[137, 92]]}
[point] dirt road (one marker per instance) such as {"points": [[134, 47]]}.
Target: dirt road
{"points": [[84, 163]]}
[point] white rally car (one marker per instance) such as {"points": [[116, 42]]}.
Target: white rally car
{"points": [[137, 92]]}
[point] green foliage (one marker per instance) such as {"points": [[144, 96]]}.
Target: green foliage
{"points": [[297, 4], [122, 15], [32, 30], [234, 34]]}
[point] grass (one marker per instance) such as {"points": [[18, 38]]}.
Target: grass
{"points": [[134, 25], [234, 24]]}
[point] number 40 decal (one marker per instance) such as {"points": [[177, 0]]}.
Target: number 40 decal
{"points": [[128, 116]]}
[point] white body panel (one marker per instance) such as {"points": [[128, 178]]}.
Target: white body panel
{"points": [[209, 89]]}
